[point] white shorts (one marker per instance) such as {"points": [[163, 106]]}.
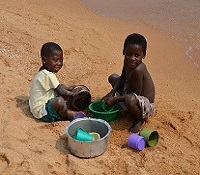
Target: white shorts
{"points": [[145, 106]]}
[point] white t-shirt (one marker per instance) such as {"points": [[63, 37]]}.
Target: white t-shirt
{"points": [[42, 89]]}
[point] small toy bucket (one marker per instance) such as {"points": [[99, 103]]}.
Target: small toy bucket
{"points": [[150, 136], [137, 142]]}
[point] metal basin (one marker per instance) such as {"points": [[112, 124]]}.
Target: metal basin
{"points": [[90, 148]]}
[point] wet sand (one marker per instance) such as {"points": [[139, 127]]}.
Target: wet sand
{"points": [[177, 19], [92, 47]]}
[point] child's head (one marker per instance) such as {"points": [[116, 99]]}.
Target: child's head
{"points": [[138, 39], [52, 56]]}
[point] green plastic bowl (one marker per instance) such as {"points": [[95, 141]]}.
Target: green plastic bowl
{"points": [[97, 111]]}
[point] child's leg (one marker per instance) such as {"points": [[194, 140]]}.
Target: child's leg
{"points": [[112, 79], [59, 105], [131, 104]]}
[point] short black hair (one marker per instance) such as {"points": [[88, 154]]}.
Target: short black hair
{"points": [[136, 38], [49, 48]]}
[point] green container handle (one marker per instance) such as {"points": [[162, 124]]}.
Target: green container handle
{"points": [[107, 107]]}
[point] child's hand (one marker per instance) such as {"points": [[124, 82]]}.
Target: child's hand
{"points": [[70, 88], [77, 89], [110, 101], [105, 98]]}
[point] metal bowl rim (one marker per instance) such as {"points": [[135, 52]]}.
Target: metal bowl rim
{"points": [[93, 119]]}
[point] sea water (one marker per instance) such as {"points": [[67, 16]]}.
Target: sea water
{"points": [[178, 18]]}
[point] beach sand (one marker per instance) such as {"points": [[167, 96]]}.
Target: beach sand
{"points": [[93, 50]]}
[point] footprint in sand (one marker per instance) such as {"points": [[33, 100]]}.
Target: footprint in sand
{"points": [[4, 161]]}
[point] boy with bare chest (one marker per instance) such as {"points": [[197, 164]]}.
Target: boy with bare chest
{"points": [[135, 85]]}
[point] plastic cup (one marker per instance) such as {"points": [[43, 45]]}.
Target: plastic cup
{"points": [[95, 136], [79, 115], [82, 135], [150, 136], [107, 107], [137, 142]]}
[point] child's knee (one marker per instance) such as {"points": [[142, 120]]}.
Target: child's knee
{"points": [[60, 103], [130, 100], [112, 79]]}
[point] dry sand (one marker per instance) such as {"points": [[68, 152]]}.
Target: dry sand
{"points": [[93, 49]]}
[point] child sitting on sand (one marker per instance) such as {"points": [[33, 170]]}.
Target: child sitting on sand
{"points": [[135, 86], [47, 96]]}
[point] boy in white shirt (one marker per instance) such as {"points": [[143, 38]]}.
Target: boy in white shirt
{"points": [[47, 96]]}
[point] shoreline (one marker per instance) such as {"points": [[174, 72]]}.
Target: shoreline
{"points": [[157, 15], [92, 47]]}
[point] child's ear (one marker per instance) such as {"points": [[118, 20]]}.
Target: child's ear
{"points": [[43, 59]]}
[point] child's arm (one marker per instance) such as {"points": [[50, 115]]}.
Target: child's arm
{"points": [[119, 83], [112, 100], [65, 91], [69, 88], [137, 82], [115, 88]]}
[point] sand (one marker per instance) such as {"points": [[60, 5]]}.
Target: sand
{"points": [[93, 49]]}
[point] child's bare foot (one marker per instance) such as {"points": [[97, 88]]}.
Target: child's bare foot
{"points": [[68, 117], [136, 126]]}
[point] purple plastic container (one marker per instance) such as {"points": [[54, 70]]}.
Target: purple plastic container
{"points": [[137, 142]]}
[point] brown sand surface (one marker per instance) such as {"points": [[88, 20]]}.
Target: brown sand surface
{"points": [[93, 49]]}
